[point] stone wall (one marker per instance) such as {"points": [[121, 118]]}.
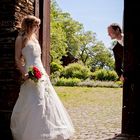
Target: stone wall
{"points": [[11, 13]]}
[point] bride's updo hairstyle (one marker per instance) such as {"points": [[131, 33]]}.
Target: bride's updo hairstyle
{"points": [[27, 26], [28, 23]]}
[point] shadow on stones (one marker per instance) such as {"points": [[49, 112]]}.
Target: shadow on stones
{"points": [[124, 137]]}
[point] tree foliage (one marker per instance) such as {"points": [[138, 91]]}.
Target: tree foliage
{"points": [[68, 35], [101, 57]]}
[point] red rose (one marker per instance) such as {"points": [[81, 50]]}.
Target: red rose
{"points": [[34, 73], [37, 73]]}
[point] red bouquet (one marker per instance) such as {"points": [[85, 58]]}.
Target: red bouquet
{"points": [[34, 73]]}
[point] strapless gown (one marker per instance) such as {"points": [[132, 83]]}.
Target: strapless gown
{"points": [[38, 113]]}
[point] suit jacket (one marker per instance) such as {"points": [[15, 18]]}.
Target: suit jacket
{"points": [[118, 55]]}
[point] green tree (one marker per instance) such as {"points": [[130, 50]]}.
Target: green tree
{"points": [[87, 39], [58, 35], [101, 57], [68, 35], [64, 33], [72, 30]]}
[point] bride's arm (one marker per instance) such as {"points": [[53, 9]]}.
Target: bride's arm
{"points": [[18, 57]]}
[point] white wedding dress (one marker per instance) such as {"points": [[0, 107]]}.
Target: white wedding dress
{"points": [[38, 113]]}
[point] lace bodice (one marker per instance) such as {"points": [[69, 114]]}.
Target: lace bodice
{"points": [[32, 55]]}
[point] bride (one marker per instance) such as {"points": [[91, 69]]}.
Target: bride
{"points": [[38, 113]]}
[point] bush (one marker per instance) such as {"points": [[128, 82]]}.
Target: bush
{"points": [[105, 75], [76, 70], [68, 82], [55, 71], [112, 76], [119, 83], [54, 77], [55, 67]]}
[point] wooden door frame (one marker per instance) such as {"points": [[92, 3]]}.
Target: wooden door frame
{"points": [[42, 10]]}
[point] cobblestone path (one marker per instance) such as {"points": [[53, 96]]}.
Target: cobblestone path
{"points": [[91, 123], [95, 112], [95, 116]]}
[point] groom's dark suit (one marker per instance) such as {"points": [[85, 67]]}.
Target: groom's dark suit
{"points": [[118, 55]]}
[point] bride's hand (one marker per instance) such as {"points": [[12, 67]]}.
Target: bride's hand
{"points": [[25, 76]]}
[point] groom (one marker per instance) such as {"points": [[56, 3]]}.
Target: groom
{"points": [[115, 33]]}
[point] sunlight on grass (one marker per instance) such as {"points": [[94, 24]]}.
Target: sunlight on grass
{"points": [[76, 96]]}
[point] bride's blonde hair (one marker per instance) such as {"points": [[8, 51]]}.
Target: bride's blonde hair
{"points": [[27, 26]]}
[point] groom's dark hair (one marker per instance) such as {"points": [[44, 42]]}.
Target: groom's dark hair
{"points": [[116, 26]]}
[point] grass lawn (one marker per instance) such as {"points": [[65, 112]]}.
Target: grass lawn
{"points": [[77, 96], [95, 112]]}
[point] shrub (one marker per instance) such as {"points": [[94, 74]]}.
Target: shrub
{"points": [[119, 83], [112, 76], [67, 82], [54, 77], [105, 75], [76, 70], [55, 67]]}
